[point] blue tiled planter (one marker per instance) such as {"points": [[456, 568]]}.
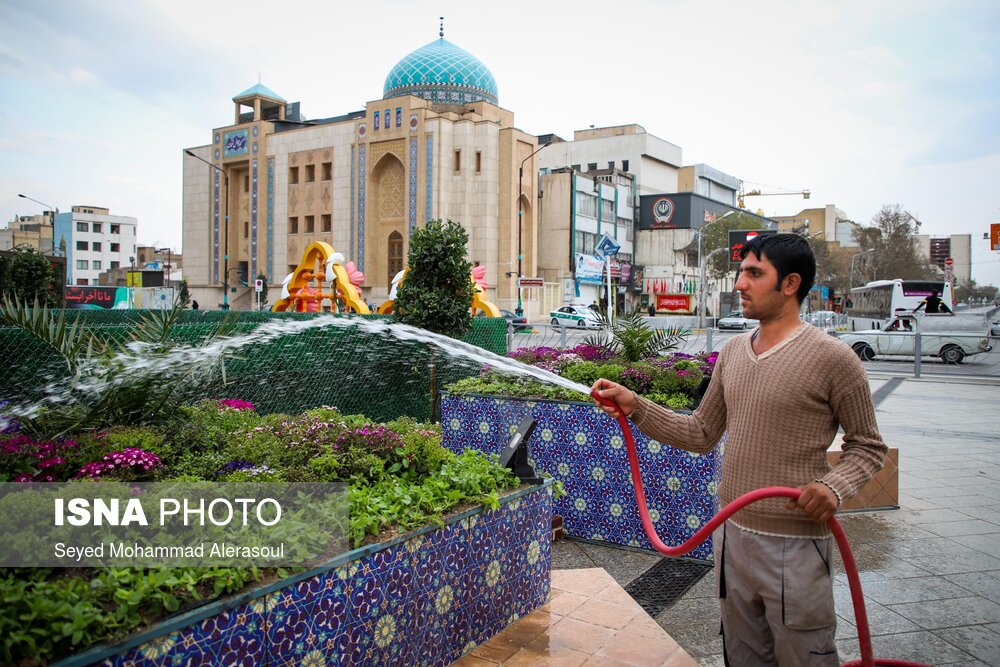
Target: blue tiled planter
{"points": [[424, 598], [583, 447]]}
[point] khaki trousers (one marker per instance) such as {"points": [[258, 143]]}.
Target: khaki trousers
{"points": [[776, 599]]}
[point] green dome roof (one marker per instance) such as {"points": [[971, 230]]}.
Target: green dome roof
{"points": [[442, 72]]}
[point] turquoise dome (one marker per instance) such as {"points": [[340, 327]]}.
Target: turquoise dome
{"points": [[442, 72]]}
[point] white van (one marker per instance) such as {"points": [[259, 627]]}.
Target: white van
{"points": [[951, 337]]}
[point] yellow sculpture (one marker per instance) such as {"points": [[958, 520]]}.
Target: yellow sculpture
{"points": [[479, 302], [302, 290]]}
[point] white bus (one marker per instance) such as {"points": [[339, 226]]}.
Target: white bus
{"points": [[874, 304]]}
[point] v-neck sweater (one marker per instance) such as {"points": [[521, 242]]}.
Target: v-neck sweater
{"points": [[782, 410]]}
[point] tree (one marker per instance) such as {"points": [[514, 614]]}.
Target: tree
{"points": [[437, 292], [890, 247], [185, 294], [717, 236], [27, 275]]}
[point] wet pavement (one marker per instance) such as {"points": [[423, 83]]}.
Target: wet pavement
{"points": [[930, 570]]}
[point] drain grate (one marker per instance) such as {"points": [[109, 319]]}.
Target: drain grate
{"points": [[664, 583]]}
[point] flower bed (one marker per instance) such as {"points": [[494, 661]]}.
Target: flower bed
{"points": [[583, 448], [476, 572], [427, 597]]}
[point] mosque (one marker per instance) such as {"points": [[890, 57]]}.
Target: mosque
{"points": [[436, 145]]}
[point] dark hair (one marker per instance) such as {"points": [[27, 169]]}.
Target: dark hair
{"points": [[934, 292], [789, 253]]}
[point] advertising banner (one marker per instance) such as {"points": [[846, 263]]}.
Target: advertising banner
{"points": [[95, 297], [589, 269], [674, 303], [739, 238]]}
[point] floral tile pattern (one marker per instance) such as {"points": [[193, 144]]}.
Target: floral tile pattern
{"points": [[584, 449], [425, 601]]}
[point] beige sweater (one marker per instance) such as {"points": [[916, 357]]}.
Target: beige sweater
{"points": [[782, 410]]}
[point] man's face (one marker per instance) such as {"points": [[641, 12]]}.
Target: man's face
{"points": [[757, 285]]}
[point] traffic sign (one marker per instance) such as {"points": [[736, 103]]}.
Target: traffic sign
{"points": [[948, 261], [995, 235], [607, 246], [530, 282], [258, 285]]}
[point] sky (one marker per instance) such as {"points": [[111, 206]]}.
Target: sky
{"points": [[863, 102]]}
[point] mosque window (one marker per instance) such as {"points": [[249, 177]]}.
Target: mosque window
{"points": [[327, 222], [327, 171], [479, 162], [458, 161], [246, 183], [246, 229], [310, 224], [293, 225], [293, 175], [310, 173]]}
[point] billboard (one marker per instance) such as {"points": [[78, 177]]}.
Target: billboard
{"points": [[739, 238], [78, 296]]}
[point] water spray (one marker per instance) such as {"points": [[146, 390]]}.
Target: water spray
{"points": [[850, 567]]}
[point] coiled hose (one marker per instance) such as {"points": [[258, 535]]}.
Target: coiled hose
{"points": [[850, 567]]}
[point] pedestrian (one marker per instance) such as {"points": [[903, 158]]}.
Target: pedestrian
{"points": [[652, 309], [933, 304], [781, 391], [194, 304]]}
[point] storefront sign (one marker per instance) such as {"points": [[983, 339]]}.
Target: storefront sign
{"points": [[589, 269]]}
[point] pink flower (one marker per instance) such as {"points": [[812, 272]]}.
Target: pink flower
{"points": [[236, 404], [23, 477]]}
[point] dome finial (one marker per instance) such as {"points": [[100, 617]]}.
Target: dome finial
{"points": [[441, 31]]}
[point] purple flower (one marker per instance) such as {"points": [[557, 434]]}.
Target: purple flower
{"points": [[236, 404], [23, 477]]}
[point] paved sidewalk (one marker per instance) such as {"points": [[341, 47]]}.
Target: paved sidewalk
{"points": [[930, 570]]}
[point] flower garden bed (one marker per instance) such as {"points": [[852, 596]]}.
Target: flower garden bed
{"points": [[583, 448], [427, 597], [448, 549]]}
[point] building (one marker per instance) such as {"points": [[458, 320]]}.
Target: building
{"points": [[575, 210], [93, 241], [829, 222], [653, 162], [708, 182], [957, 247], [434, 145], [32, 230]]}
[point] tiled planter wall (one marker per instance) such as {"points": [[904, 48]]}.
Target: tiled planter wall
{"points": [[583, 447], [425, 598]]}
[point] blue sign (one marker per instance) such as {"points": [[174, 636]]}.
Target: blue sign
{"points": [[607, 246]]}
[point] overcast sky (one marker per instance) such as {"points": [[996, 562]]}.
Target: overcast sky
{"points": [[864, 103]]}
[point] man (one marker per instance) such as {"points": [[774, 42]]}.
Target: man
{"points": [[780, 391], [933, 304]]}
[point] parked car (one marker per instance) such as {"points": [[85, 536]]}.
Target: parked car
{"points": [[823, 319], [736, 320], [951, 337], [519, 323], [995, 329], [575, 316]]}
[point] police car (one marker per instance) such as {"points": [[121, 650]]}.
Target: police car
{"points": [[575, 316]]}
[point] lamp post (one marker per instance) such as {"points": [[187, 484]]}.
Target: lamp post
{"points": [[169, 252], [520, 215], [55, 210], [701, 268], [225, 232], [850, 278]]}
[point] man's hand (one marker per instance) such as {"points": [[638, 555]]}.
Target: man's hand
{"points": [[817, 500], [617, 393]]}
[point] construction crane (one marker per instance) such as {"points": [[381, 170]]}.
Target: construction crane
{"points": [[805, 194]]}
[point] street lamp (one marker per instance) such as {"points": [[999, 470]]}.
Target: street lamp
{"points": [[169, 252], [520, 215], [701, 268], [225, 242]]}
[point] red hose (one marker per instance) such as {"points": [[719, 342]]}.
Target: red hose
{"points": [[850, 567]]}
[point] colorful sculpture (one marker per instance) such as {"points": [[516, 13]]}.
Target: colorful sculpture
{"points": [[302, 290]]}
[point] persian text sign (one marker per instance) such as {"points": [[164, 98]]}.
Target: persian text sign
{"points": [[126, 524], [738, 238], [674, 302]]}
